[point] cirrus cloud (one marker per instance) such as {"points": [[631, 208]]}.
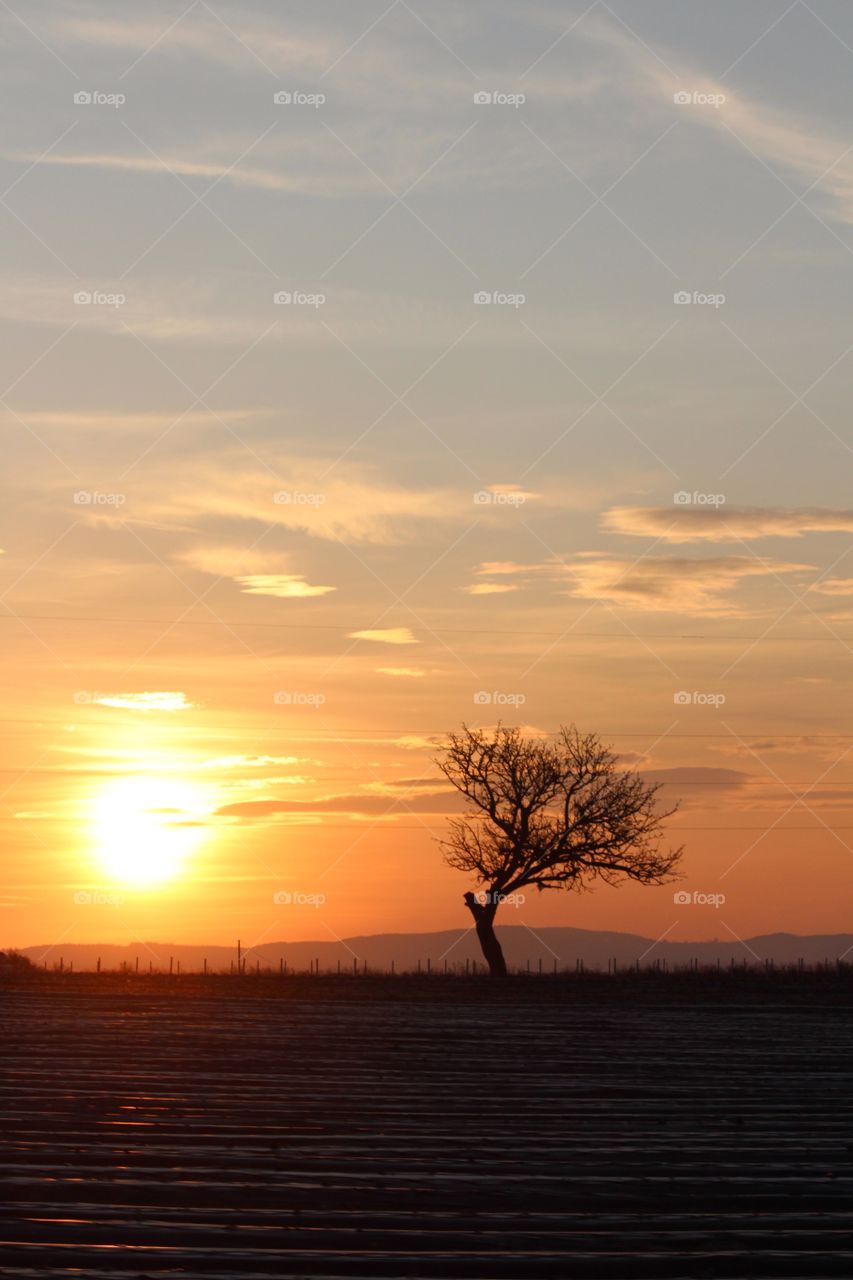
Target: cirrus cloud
{"points": [[287, 586], [155, 701], [725, 524], [386, 635], [672, 584]]}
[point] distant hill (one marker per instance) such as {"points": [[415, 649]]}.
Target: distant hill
{"points": [[453, 948]]}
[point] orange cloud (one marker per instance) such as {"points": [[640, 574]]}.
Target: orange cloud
{"points": [[388, 635], [691, 522], [288, 586]]}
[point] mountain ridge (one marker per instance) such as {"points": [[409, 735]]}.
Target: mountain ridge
{"points": [[555, 946]]}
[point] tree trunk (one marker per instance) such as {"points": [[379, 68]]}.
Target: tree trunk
{"points": [[484, 917]]}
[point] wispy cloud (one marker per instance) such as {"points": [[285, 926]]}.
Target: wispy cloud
{"points": [[352, 502], [674, 584], [386, 635], [781, 138], [722, 523], [155, 701], [386, 804], [834, 587], [287, 586], [664, 584]]}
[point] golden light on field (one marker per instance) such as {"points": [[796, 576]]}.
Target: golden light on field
{"points": [[146, 828]]}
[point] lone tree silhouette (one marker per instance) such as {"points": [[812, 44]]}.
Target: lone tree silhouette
{"points": [[557, 815]]}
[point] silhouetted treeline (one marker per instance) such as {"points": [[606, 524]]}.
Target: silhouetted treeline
{"points": [[12, 962]]}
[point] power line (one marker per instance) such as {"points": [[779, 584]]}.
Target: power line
{"points": [[370, 824], [251, 731], [490, 631]]}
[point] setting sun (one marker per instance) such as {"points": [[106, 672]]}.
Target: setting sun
{"points": [[145, 828]]}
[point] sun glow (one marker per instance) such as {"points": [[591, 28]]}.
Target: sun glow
{"points": [[146, 827]]}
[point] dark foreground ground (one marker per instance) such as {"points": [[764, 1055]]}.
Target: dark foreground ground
{"points": [[386, 1130]]}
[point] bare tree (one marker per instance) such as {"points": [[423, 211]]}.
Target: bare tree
{"points": [[557, 815]]}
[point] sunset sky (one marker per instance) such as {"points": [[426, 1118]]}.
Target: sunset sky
{"points": [[259, 555]]}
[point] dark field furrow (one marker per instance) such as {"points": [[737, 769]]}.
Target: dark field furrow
{"points": [[147, 1136]]}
